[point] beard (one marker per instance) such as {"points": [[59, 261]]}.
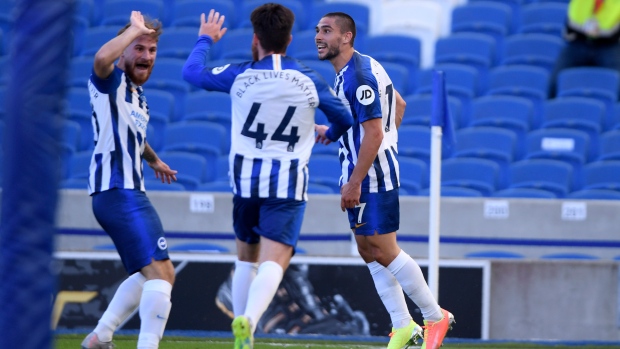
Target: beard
{"points": [[332, 52], [137, 78]]}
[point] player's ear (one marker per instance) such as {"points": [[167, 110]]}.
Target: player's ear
{"points": [[290, 38]]}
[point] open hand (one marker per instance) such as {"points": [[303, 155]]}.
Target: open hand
{"points": [[137, 22], [212, 26]]}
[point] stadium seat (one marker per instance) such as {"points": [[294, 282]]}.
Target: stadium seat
{"points": [[595, 194], [576, 113], [74, 183], [297, 6], [167, 75], [191, 168], [236, 44], [209, 106], [222, 186], [80, 69], [85, 9], [571, 146], [116, 12], [509, 112], [80, 111], [203, 138], [569, 255], [222, 168], [71, 134], [324, 68], [156, 131], [394, 48], [610, 145], [477, 174], [199, 247], [473, 49], [419, 109], [494, 254], [161, 103], [515, 10], [177, 42], [485, 17], [462, 82], [80, 163], [95, 37], [4, 75], [521, 81], [415, 141], [449, 191], [551, 175], [360, 13], [525, 193], [413, 174], [539, 50], [591, 82], [491, 143], [399, 74], [78, 31], [303, 46], [315, 188], [325, 170], [543, 18], [187, 12], [330, 149], [602, 175], [157, 185]]}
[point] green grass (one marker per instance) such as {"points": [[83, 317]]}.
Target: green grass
{"points": [[129, 342]]}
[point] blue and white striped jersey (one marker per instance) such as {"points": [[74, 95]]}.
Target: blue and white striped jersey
{"points": [[120, 117], [364, 86], [273, 105]]}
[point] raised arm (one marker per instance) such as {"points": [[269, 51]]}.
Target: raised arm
{"points": [[113, 49], [210, 32]]}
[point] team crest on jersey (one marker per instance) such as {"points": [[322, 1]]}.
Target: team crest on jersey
{"points": [[162, 243], [365, 94], [218, 70]]}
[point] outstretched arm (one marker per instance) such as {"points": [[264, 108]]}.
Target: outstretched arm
{"points": [[111, 50], [162, 170]]}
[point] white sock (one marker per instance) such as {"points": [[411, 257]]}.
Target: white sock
{"points": [[245, 272], [154, 310], [262, 290], [391, 294], [410, 278], [125, 301]]}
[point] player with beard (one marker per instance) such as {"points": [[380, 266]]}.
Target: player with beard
{"points": [[370, 182], [116, 184]]}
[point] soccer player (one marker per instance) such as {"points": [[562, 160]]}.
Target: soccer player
{"points": [[116, 184], [370, 181], [273, 104]]}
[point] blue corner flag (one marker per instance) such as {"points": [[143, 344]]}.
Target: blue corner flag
{"points": [[440, 115]]}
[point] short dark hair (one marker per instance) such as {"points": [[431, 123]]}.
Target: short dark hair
{"points": [[272, 25], [345, 22], [149, 23]]}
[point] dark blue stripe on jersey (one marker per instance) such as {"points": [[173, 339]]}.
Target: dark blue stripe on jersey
{"points": [[292, 178], [341, 157], [339, 82], [128, 94], [98, 172], [254, 181], [238, 163], [116, 161], [273, 178], [131, 146], [305, 171], [391, 160], [379, 173], [97, 127], [345, 140], [141, 99]]}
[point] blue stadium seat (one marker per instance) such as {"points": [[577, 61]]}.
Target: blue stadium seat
{"points": [[420, 107], [449, 191], [610, 145], [415, 141], [551, 175], [116, 12], [95, 37], [161, 103], [395, 48], [571, 146], [324, 68], [473, 49], [176, 43], [360, 13], [399, 74], [80, 111], [199, 247], [157, 185], [80, 163], [521, 81], [221, 186], [591, 82], [203, 138], [576, 113], [80, 69], [78, 31], [85, 9], [413, 174], [303, 46], [602, 175], [539, 50], [156, 131], [315, 188], [543, 18], [494, 254], [325, 170], [222, 168], [167, 75], [74, 183], [509, 112], [236, 44], [208, 106], [569, 255], [297, 6], [486, 17], [462, 82], [4, 75], [191, 168], [515, 10], [477, 174], [595, 194], [330, 149], [186, 13], [491, 143], [71, 134], [525, 193]]}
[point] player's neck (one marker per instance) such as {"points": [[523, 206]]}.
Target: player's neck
{"points": [[342, 59]]}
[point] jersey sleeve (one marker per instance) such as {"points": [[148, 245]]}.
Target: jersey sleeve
{"points": [[108, 84], [198, 74], [363, 95]]}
